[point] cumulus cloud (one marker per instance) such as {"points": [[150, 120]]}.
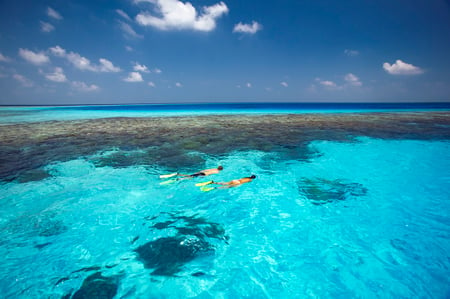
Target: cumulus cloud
{"points": [[247, 28], [151, 84], [58, 51], [80, 62], [284, 84], [4, 58], [178, 84], [53, 14], [178, 15], [248, 84], [352, 80], [349, 52], [106, 66], [47, 27], [157, 71], [133, 77], [327, 83], [83, 63], [81, 86], [32, 57], [402, 68], [57, 75], [23, 80], [140, 68]]}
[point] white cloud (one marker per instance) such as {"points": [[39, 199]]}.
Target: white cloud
{"points": [[157, 71], [352, 80], [76, 59], [284, 84], [123, 14], [128, 30], [81, 86], [179, 15], [4, 58], [107, 66], [24, 81], [351, 52], [248, 84], [151, 84], [35, 58], [47, 27], [57, 75], [129, 49], [402, 68], [133, 77], [328, 83], [83, 63], [140, 68], [53, 14], [80, 62], [58, 51], [178, 84], [247, 28]]}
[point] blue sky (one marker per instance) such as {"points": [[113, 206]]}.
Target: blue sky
{"points": [[161, 51]]}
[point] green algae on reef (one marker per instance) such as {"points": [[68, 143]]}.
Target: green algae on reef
{"points": [[180, 142]]}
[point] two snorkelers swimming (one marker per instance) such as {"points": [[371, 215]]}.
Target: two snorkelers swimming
{"points": [[206, 172]]}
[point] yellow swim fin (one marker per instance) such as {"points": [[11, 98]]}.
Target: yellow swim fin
{"points": [[166, 176], [206, 189], [168, 182], [204, 183]]}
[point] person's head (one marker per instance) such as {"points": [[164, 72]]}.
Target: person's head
{"points": [[253, 176], [220, 168]]}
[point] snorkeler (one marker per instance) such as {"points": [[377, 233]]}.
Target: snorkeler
{"points": [[204, 172], [225, 185]]}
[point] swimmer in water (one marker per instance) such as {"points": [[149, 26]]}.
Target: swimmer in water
{"points": [[225, 185]]}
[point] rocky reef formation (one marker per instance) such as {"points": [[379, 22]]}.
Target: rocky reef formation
{"points": [[175, 142]]}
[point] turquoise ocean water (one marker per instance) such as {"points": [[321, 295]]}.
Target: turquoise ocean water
{"points": [[18, 114], [366, 217]]}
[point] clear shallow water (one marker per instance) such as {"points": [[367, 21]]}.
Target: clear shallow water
{"points": [[10, 115], [353, 217]]}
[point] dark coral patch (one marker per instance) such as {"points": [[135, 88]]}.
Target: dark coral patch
{"points": [[170, 157], [168, 255], [322, 191], [190, 225], [194, 237], [33, 175], [97, 286]]}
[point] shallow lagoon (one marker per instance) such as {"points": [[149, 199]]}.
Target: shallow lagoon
{"points": [[344, 205]]}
